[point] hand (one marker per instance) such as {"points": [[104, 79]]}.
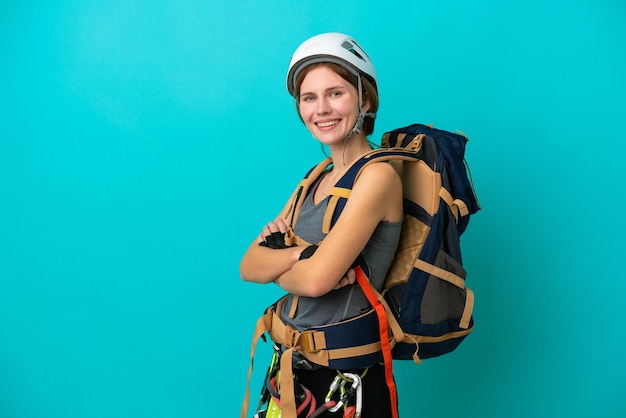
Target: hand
{"points": [[278, 225], [346, 280]]}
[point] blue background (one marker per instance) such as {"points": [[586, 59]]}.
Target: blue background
{"points": [[143, 144]]}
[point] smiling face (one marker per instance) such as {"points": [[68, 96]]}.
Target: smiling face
{"points": [[328, 105]]}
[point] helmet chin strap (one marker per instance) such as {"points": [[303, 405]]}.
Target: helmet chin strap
{"points": [[360, 120]]}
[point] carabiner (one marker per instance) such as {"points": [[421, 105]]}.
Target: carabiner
{"points": [[357, 385], [336, 383], [345, 397]]}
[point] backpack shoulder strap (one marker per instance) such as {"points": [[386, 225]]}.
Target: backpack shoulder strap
{"points": [[412, 150], [294, 204]]}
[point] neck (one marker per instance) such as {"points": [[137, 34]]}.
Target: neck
{"points": [[345, 153]]}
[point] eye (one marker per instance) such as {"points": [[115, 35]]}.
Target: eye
{"points": [[306, 98], [335, 93]]}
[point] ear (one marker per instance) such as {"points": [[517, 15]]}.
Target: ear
{"points": [[366, 102]]}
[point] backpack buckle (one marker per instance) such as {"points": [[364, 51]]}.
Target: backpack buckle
{"points": [[311, 341], [291, 337]]}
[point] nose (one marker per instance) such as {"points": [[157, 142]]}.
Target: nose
{"points": [[323, 106]]}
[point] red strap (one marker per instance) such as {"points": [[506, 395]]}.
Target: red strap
{"points": [[368, 290]]}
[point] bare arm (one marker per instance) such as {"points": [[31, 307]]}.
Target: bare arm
{"points": [[263, 264], [376, 196]]}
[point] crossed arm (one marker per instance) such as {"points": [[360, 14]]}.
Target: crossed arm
{"points": [[376, 196]]}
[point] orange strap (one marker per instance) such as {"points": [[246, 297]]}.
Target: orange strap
{"points": [[384, 336]]}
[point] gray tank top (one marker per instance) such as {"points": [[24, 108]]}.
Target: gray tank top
{"points": [[349, 301]]}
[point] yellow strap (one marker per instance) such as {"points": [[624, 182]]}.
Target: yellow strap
{"points": [[294, 306], [455, 280], [399, 139], [440, 273], [444, 337], [447, 197], [460, 132], [394, 326], [305, 184], [328, 215], [457, 206], [263, 324], [287, 394], [335, 194], [312, 344], [362, 350], [462, 207], [292, 239], [340, 191], [469, 307]]}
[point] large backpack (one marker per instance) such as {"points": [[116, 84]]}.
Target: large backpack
{"points": [[424, 309], [425, 287]]}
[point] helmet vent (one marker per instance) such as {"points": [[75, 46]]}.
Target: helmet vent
{"points": [[350, 47]]}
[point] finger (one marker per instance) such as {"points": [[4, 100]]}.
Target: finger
{"points": [[280, 223], [273, 227], [351, 276], [344, 282]]}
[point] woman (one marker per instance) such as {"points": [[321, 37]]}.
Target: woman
{"points": [[335, 87]]}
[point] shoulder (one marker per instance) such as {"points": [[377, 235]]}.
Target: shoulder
{"points": [[379, 173], [379, 187], [382, 185]]}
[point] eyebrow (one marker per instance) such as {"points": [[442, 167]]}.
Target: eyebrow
{"points": [[337, 87]]}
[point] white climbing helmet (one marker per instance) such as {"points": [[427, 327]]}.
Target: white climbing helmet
{"points": [[330, 47]]}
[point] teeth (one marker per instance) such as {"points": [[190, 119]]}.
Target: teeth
{"points": [[326, 124]]}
